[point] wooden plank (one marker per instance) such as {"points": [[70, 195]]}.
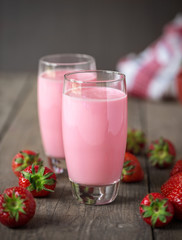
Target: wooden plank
{"points": [[137, 120], [164, 119], [60, 216], [21, 132], [12, 93]]}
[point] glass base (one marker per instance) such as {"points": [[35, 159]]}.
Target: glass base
{"points": [[58, 165], [95, 195]]}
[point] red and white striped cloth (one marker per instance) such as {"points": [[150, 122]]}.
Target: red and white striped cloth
{"points": [[152, 73]]}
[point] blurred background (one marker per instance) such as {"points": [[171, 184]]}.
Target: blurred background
{"points": [[105, 29]]}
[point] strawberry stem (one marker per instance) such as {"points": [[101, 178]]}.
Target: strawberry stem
{"points": [[27, 160], [14, 205], [135, 141], [127, 169], [160, 153], [156, 210], [38, 180]]}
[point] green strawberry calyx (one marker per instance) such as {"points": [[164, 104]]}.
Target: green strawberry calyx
{"points": [[38, 179], [27, 160], [127, 169], [157, 210], [135, 141], [160, 153], [14, 205]]}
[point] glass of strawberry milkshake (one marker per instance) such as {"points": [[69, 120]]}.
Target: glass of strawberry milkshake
{"points": [[49, 93], [94, 119]]}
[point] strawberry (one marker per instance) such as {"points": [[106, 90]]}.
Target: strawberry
{"points": [[156, 210], [17, 207], [177, 168], [175, 197], [24, 159], [161, 153], [171, 183], [135, 141], [132, 171], [39, 180]]}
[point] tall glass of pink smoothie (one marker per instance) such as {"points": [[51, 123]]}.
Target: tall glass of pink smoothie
{"points": [[50, 86], [94, 122]]}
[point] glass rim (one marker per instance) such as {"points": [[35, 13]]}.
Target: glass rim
{"points": [[88, 59], [95, 81]]}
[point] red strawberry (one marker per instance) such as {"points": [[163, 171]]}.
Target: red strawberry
{"points": [[132, 171], [171, 183], [135, 141], [39, 180], [156, 210], [17, 207], [161, 153], [177, 168], [24, 159], [175, 197]]}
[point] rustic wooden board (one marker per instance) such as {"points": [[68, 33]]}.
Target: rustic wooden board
{"points": [[60, 216], [12, 93], [164, 119], [21, 132]]}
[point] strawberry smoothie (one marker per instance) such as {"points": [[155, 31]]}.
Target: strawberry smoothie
{"points": [[50, 88], [94, 131]]}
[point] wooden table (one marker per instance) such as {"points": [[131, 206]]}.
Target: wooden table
{"points": [[60, 216]]}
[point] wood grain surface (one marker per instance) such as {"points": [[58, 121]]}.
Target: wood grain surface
{"points": [[59, 216]]}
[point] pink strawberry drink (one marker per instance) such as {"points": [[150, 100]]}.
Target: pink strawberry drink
{"points": [[94, 131], [50, 87]]}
